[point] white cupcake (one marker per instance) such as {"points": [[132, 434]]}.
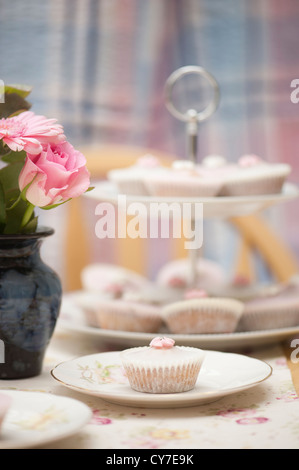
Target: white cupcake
{"points": [[110, 280], [177, 274], [183, 179], [203, 315], [255, 177], [162, 367], [130, 180], [269, 312], [124, 315], [154, 295]]}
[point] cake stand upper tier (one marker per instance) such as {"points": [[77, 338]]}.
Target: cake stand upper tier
{"points": [[213, 207]]}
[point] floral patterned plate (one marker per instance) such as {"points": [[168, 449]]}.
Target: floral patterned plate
{"points": [[102, 375], [36, 418]]}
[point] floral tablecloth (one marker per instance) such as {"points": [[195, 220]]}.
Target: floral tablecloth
{"points": [[265, 416]]}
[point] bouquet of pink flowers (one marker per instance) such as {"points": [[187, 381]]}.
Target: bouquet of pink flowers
{"points": [[40, 168]]}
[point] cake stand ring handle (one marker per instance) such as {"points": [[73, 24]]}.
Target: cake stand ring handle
{"points": [[191, 115]]}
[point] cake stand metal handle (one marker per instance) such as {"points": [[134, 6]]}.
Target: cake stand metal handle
{"points": [[191, 117]]}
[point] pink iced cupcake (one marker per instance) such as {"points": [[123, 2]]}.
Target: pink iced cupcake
{"points": [[183, 179], [130, 180], [254, 176], [128, 316], [5, 403], [162, 367], [202, 315]]}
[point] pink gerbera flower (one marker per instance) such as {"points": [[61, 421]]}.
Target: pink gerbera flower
{"points": [[29, 132]]}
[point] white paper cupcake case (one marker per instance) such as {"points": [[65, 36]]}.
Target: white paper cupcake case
{"points": [[255, 184], [128, 317], [203, 316], [131, 187], [269, 318], [176, 377], [188, 188]]}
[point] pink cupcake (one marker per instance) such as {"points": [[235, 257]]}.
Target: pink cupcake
{"points": [[162, 367], [182, 180], [253, 176], [5, 403], [130, 180], [128, 316], [203, 315]]}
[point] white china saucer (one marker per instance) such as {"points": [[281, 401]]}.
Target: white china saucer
{"points": [[72, 319], [36, 418], [102, 375]]}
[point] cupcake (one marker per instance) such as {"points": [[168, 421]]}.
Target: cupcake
{"points": [[177, 274], [240, 288], [254, 176], [154, 294], [271, 311], [130, 180], [5, 403], [183, 179], [162, 367], [128, 316], [89, 303], [213, 162], [111, 281], [203, 315]]}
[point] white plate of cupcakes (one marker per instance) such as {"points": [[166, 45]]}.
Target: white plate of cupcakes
{"points": [[127, 313], [226, 189]]}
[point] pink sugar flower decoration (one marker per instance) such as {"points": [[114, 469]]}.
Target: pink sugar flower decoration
{"points": [[28, 131], [250, 160], [148, 161], [195, 294], [162, 343]]}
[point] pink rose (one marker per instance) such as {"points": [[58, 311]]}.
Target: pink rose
{"points": [[56, 174]]}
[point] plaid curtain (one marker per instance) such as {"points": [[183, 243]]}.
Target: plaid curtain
{"points": [[100, 67]]}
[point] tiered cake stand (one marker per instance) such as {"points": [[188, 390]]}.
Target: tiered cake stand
{"points": [[213, 207]]}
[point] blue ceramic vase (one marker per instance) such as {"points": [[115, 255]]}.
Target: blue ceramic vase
{"points": [[30, 298]]}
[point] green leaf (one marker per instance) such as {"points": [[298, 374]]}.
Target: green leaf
{"points": [[12, 198], [14, 217], [47, 208], [21, 90], [31, 226], [9, 175], [4, 150], [13, 104], [13, 157], [28, 214]]}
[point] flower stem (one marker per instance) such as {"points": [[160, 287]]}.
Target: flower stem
{"points": [[27, 215]]}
